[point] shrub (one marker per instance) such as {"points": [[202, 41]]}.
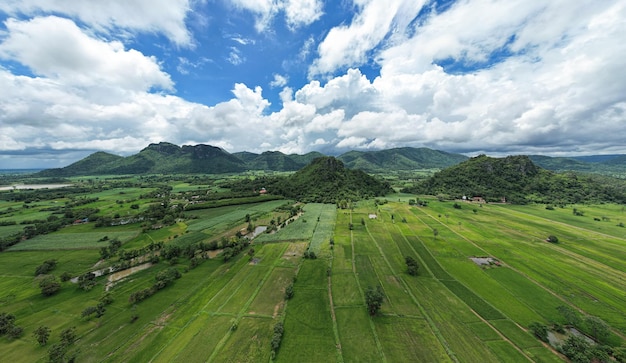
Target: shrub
{"points": [[411, 265], [374, 299], [49, 285], [539, 330], [289, 292]]}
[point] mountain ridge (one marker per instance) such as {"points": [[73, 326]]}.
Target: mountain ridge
{"points": [[168, 158]]}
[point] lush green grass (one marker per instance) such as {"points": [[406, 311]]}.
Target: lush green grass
{"points": [[435, 316]]}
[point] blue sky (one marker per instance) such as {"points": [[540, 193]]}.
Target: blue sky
{"points": [[472, 76]]}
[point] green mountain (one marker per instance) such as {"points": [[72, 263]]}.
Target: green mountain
{"points": [[619, 160], [602, 164], [562, 163], [276, 160], [327, 180], [91, 165], [158, 158], [519, 180], [405, 158]]}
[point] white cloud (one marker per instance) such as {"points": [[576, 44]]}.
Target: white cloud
{"points": [[349, 45], [302, 12], [234, 57], [166, 17], [558, 88], [279, 81], [58, 50], [297, 13]]}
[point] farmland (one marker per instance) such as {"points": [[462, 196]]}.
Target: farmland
{"points": [[453, 310]]}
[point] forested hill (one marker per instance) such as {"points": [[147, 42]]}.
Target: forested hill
{"points": [[167, 158], [327, 180], [324, 180], [276, 161], [405, 158], [519, 180], [158, 158]]}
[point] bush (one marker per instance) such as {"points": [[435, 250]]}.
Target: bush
{"points": [[411, 265], [277, 337], [49, 285], [374, 299], [289, 292], [539, 330], [45, 267], [15, 332]]}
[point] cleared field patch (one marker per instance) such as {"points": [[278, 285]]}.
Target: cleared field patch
{"points": [[269, 300], [325, 227], [409, 340], [309, 335], [484, 331], [355, 333], [504, 349], [519, 337], [450, 317], [249, 343], [345, 290]]}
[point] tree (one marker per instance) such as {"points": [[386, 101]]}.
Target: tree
{"points": [[87, 281], [68, 336], [570, 315], [289, 292], [598, 328], [15, 332], [45, 267], [411, 265], [539, 330], [49, 285], [374, 299], [7, 321], [42, 334]]}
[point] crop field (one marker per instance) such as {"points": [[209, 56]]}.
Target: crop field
{"points": [[72, 241], [453, 310]]}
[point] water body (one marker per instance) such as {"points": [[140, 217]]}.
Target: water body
{"points": [[34, 186]]}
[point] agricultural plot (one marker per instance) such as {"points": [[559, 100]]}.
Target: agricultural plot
{"points": [[72, 241], [453, 311], [221, 218], [305, 228]]}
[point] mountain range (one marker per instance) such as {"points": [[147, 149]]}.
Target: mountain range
{"points": [[167, 158]]}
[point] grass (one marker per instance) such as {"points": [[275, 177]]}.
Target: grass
{"points": [[435, 316]]}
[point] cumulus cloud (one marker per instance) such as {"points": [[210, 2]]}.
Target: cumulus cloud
{"points": [[297, 13], [165, 17], [56, 48], [279, 81], [482, 76], [349, 45]]}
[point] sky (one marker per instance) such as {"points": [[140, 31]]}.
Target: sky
{"points": [[467, 76]]}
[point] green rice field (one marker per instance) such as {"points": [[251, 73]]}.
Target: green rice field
{"points": [[453, 310]]}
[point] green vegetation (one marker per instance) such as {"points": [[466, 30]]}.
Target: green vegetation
{"points": [[423, 281], [519, 180]]}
